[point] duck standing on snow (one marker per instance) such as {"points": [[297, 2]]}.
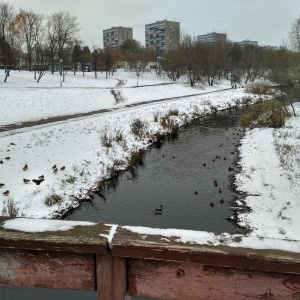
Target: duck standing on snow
{"points": [[6, 193], [38, 181]]}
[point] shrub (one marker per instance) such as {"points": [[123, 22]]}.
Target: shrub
{"points": [[213, 109], [173, 112], [136, 156], [258, 89], [106, 140], [158, 137], [156, 116], [138, 128], [246, 100], [174, 129], [9, 209], [268, 113], [163, 122], [169, 125], [119, 135], [53, 199], [71, 179]]}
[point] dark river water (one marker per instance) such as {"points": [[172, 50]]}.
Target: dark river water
{"points": [[172, 175]]}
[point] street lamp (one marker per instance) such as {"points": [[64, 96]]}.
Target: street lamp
{"points": [[60, 71]]}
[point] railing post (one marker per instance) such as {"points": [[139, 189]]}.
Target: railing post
{"points": [[111, 276]]}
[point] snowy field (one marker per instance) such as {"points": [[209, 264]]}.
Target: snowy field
{"points": [[270, 176], [77, 145], [46, 99]]}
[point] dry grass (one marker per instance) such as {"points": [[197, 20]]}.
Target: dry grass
{"points": [[53, 199], [136, 156], [10, 209]]}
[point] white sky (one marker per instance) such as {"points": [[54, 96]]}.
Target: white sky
{"points": [[266, 21]]}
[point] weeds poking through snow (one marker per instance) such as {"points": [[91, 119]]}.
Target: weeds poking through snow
{"points": [[258, 89], [247, 100], [213, 109], [138, 128], [196, 111], [173, 112], [10, 209], [136, 156], [158, 137], [110, 135], [156, 116], [71, 179], [53, 199], [106, 140], [169, 125]]}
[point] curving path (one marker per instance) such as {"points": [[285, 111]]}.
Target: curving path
{"points": [[118, 96]]}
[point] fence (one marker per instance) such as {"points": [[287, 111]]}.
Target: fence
{"points": [[144, 265]]}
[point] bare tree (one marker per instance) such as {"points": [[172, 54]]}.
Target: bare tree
{"points": [[138, 60], [294, 35], [29, 25], [97, 58], [6, 17], [252, 62], [62, 36], [284, 70], [193, 60], [172, 63], [42, 53], [108, 59]]}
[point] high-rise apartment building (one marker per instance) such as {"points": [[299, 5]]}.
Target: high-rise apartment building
{"points": [[211, 38], [162, 35], [116, 36]]}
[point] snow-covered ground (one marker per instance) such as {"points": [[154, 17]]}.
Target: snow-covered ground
{"points": [[270, 161], [79, 146], [20, 102]]}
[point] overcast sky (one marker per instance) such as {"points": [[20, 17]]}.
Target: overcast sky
{"points": [[265, 21]]}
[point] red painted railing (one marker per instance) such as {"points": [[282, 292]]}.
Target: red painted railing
{"points": [[144, 265]]}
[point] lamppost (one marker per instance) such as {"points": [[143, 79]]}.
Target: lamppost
{"points": [[60, 71]]}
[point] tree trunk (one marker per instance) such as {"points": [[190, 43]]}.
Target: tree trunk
{"points": [[6, 75]]}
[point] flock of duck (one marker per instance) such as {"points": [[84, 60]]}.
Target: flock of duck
{"points": [[158, 210], [25, 168]]}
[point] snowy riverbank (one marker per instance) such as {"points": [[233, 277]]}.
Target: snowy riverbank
{"points": [[79, 146]]}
